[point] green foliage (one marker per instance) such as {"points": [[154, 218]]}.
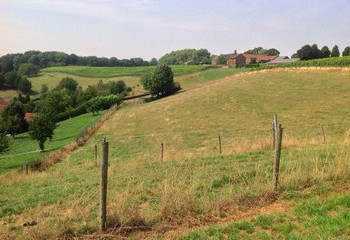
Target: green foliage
{"points": [[180, 57], [13, 117], [325, 52], [67, 83], [25, 85], [221, 60], [335, 51], [260, 50], [44, 89], [2, 81], [54, 102], [12, 80], [4, 142], [253, 61], [308, 52], [346, 51], [42, 128], [160, 82], [102, 103], [28, 69]]}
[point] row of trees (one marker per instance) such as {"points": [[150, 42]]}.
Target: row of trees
{"points": [[200, 56], [308, 52], [39, 59], [263, 51]]}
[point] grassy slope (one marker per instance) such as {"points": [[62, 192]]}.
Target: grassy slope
{"points": [[194, 185], [121, 71], [66, 132]]}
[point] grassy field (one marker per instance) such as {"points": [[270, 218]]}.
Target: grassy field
{"points": [[195, 185], [106, 72], [24, 149]]}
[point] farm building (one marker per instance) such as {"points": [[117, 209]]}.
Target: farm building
{"points": [[283, 60], [236, 59], [241, 59], [259, 57]]}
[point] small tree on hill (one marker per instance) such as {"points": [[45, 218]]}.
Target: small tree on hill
{"points": [[42, 128], [25, 85], [346, 52], [335, 51], [13, 117], [28, 69], [160, 82], [325, 52]]}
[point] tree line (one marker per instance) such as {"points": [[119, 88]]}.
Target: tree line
{"points": [[11, 62], [179, 57], [308, 52]]}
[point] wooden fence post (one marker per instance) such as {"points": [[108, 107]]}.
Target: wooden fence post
{"points": [[274, 129], [161, 152], [220, 144], [96, 162], [324, 134], [278, 149], [103, 195]]}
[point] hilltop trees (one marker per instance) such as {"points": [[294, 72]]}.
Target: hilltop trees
{"points": [[260, 50], [325, 52], [335, 51], [200, 56], [28, 69], [160, 82], [346, 52]]}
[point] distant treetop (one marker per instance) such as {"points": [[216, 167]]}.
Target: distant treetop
{"points": [[260, 50], [179, 57]]}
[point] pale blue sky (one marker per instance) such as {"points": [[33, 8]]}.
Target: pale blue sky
{"points": [[151, 28]]}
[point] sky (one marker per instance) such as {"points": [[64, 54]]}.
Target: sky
{"points": [[152, 28]]}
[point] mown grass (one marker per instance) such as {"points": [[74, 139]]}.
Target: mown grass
{"points": [[326, 218], [103, 72], [195, 185], [23, 149]]}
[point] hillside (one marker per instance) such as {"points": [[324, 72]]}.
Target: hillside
{"points": [[195, 185]]}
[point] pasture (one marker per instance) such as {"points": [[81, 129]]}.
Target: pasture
{"points": [[194, 185]]}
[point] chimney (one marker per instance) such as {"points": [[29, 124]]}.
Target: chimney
{"points": [[235, 51]]}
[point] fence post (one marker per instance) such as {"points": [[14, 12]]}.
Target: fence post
{"points": [[220, 144], [324, 134], [161, 152], [96, 162], [278, 149], [274, 129], [103, 195]]}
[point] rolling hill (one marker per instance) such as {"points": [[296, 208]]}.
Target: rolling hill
{"points": [[195, 185]]}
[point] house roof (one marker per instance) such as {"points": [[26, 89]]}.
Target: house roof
{"points": [[260, 57], [283, 60]]}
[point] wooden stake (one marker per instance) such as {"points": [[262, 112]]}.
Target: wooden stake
{"points": [[96, 161], [324, 134], [103, 195], [274, 130], [220, 144], [277, 157], [161, 152]]}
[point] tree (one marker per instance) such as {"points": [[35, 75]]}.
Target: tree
{"points": [[153, 62], [316, 53], [272, 52], [305, 53], [2, 81], [253, 61], [346, 52], [295, 55], [55, 102], [221, 60], [4, 142], [28, 69], [67, 83], [13, 117], [325, 52], [12, 80], [42, 128], [160, 82], [25, 85], [335, 51], [44, 89]]}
